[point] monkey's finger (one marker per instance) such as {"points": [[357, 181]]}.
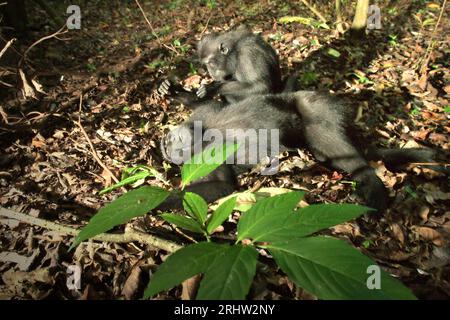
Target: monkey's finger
{"points": [[164, 88], [201, 92], [162, 91]]}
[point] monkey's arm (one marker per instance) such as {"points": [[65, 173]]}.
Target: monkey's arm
{"points": [[243, 89]]}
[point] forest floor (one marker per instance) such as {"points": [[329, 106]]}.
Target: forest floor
{"points": [[396, 80]]}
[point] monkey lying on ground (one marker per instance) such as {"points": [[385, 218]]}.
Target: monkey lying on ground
{"points": [[309, 119], [241, 64]]}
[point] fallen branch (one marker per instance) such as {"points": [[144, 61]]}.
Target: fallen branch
{"points": [[130, 235], [94, 153]]}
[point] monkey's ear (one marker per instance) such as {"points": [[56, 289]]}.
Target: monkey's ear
{"points": [[243, 28], [204, 40]]}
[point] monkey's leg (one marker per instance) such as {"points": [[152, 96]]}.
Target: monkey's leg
{"points": [[329, 144]]}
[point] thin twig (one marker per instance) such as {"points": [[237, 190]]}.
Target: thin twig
{"points": [[60, 31], [8, 44], [130, 235], [4, 115], [153, 30], [94, 153], [206, 25], [423, 68], [443, 164], [314, 10]]}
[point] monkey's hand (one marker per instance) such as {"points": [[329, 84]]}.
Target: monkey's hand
{"points": [[372, 189], [208, 90]]}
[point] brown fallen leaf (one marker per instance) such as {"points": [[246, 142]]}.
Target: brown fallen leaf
{"points": [[447, 89], [193, 81], [430, 235], [27, 89], [423, 213], [132, 283], [398, 232], [190, 287], [399, 256]]}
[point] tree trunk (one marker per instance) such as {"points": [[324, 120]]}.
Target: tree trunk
{"points": [[339, 26], [358, 28]]}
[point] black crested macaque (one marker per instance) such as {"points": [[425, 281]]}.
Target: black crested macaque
{"points": [[309, 119], [241, 64]]}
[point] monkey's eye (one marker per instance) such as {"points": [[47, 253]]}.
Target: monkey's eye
{"points": [[223, 49]]}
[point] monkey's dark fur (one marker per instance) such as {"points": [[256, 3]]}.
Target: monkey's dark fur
{"points": [[241, 64], [313, 120]]}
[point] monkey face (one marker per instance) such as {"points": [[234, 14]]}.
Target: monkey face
{"points": [[218, 53], [214, 55], [179, 145], [176, 145]]}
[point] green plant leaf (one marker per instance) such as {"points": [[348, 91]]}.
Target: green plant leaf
{"points": [[230, 275], [203, 163], [308, 220], [297, 19], [316, 217], [182, 265], [331, 269], [245, 200], [220, 215], [131, 179], [132, 204], [195, 206], [334, 53], [183, 222], [267, 214]]}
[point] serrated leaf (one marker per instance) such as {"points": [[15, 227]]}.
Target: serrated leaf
{"points": [[220, 215], [331, 269], [204, 163], [267, 214], [183, 222], [182, 265], [334, 53], [230, 275], [132, 204], [195, 206]]}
